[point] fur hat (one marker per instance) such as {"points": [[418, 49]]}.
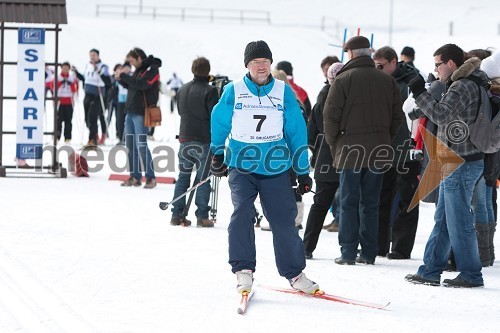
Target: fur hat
{"points": [[491, 65], [258, 49], [333, 70], [357, 42]]}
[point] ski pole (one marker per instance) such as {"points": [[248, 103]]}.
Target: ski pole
{"points": [[164, 205], [215, 197], [185, 212]]}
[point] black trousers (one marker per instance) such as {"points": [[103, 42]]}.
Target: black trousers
{"points": [[92, 106], [323, 199], [173, 100], [102, 119], [120, 121], [64, 115], [402, 232]]}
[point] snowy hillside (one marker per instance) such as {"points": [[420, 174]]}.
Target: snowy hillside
{"points": [[86, 255]]}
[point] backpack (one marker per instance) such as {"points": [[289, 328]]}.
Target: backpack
{"points": [[484, 132]]}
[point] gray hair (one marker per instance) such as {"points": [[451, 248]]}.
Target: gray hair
{"points": [[361, 52]]}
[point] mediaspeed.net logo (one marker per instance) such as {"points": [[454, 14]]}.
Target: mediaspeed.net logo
{"points": [[439, 167]]}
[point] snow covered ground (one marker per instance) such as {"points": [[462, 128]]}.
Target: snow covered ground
{"points": [[86, 255]]}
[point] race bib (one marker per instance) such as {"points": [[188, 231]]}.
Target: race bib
{"points": [[257, 121]]}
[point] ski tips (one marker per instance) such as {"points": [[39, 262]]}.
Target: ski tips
{"points": [[245, 297]]}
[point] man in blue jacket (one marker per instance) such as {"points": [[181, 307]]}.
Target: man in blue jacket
{"points": [[268, 137]]}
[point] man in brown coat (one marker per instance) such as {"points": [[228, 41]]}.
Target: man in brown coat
{"points": [[362, 116]]}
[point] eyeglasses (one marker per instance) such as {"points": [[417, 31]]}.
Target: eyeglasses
{"points": [[381, 66], [265, 62], [438, 64]]}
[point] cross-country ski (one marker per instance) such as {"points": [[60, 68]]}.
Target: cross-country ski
{"points": [[329, 297], [244, 301], [249, 166]]}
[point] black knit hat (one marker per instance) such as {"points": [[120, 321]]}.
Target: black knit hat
{"points": [[285, 66], [258, 49], [357, 42]]}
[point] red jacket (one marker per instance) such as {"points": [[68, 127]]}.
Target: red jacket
{"points": [[301, 93], [67, 85]]}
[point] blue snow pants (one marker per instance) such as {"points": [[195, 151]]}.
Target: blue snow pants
{"points": [[279, 207]]}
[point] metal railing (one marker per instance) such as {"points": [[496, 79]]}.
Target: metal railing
{"points": [[185, 13]]}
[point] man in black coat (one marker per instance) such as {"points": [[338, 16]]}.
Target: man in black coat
{"points": [[402, 177], [195, 101]]}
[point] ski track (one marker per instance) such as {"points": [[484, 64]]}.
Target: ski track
{"points": [[30, 306]]}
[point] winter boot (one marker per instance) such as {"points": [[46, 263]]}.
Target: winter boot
{"points": [[334, 227], [343, 261], [329, 225], [244, 281], [483, 240], [150, 183], [177, 220], [493, 226], [302, 283], [458, 282], [417, 279], [131, 181], [300, 215], [204, 223]]}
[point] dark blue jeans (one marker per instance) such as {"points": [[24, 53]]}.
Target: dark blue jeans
{"points": [[359, 207], [454, 226], [278, 203], [193, 154]]}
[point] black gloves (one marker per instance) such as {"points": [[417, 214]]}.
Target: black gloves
{"points": [[217, 167], [305, 184], [417, 86], [431, 78]]}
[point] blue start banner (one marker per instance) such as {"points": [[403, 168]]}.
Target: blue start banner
{"points": [[30, 92]]}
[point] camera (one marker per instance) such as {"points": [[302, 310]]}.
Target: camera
{"points": [[416, 155]]}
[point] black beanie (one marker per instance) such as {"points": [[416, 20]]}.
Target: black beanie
{"points": [[285, 66], [258, 49]]}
